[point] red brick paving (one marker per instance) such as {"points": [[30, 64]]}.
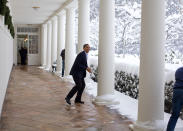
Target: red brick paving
{"points": [[35, 102]]}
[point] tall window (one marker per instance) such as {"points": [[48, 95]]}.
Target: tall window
{"points": [[33, 44]]}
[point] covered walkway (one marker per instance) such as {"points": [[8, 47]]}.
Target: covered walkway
{"points": [[35, 102]]}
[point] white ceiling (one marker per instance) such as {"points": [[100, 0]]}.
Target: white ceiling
{"points": [[23, 13]]}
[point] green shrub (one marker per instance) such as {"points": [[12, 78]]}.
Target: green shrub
{"points": [[128, 84], [7, 16], [8, 21], [3, 7]]}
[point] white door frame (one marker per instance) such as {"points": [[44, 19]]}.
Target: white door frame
{"points": [[32, 59]]}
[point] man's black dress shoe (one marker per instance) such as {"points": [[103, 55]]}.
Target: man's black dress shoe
{"points": [[79, 102], [68, 101]]}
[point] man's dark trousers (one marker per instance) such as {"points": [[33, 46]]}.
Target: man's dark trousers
{"points": [[78, 72], [177, 102], [79, 88], [63, 67]]}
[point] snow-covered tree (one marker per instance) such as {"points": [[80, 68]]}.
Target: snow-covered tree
{"points": [[128, 28]]}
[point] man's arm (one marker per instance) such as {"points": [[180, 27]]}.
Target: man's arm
{"points": [[62, 53]]}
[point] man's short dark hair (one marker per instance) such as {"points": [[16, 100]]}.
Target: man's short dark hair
{"points": [[85, 45]]}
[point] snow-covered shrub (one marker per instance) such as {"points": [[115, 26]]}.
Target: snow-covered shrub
{"points": [[94, 74], [124, 82], [128, 84], [168, 96]]}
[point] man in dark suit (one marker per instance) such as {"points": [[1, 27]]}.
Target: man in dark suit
{"points": [[62, 54], [23, 55], [177, 100], [78, 72]]}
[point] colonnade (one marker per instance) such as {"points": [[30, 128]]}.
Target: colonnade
{"points": [[58, 33]]}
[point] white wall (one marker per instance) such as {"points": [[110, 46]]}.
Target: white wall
{"points": [[6, 60]]}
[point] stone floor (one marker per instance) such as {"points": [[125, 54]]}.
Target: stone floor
{"points": [[35, 102]]}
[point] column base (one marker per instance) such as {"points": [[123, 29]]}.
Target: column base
{"points": [[59, 67], [58, 70], [49, 69], [41, 67], [157, 125], [44, 66], [106, 100], [58, 73]]}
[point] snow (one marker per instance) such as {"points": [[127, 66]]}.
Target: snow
{"points": [[170, 71], [127, 106], [130, 64], [127, 41], [128, 27]]}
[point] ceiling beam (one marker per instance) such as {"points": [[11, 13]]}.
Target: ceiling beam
{"points": [[63, 6]]}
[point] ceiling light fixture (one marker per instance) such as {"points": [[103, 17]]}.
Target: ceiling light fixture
{"points": [[35, 7], [35, 4]]}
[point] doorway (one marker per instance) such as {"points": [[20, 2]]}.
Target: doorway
{"points": [[28, 37]]}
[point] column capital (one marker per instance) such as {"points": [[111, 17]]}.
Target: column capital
{"points": [[44, 25], [62, 13], [54, 18], [49, 22], [73, 5], [83, 1]]}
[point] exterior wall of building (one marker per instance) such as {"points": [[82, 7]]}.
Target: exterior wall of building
{"points": [[6, 59]]}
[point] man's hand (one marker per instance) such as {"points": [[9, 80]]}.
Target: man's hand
{"points": [[89, 70]]}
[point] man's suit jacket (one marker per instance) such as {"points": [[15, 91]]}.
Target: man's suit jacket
{"points": [[80, 65], [62, 54]]}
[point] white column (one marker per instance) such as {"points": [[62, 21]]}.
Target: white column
{"points": [[151, 86], [43, 45], [60, 40], [54, 40], [106, 53], [83, 23], [70, 49], [48, 62]]}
